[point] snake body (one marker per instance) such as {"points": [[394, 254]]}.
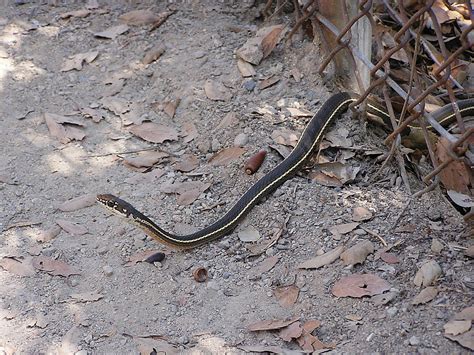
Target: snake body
{"points": [[336, 105]]}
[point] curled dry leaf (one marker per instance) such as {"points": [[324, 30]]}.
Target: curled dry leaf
{"points": [[426, 295], [139, 17], [266, 83], [145, 159], [112, 32], [357, 253], [266, 265], [54, 267], [78, 203], [287, 295], [153, 55], [155, 133], [360, 214], [63, 128], [86, 296], [321, 260], [360, 285], [188, 163], [249, 234], [226, 155], [271, 324], [75, 62], [260, 46], [427, 274], [216, 91], [70, 227], [20, 267]]}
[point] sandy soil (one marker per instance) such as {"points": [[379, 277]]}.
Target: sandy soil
{"points": [[109, 307]]}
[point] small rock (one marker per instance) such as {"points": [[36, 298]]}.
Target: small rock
{"points": [[414, 341], [392, 311], [102, 251], [241, 140], [224, 244], [204, 146], [359, 231], [436, 246], [108, 270], [215, 145], [212, 285], [249, 85], [81, 352], [434, 215]]}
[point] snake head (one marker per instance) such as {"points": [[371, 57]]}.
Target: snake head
{"points": [[115, 204]]}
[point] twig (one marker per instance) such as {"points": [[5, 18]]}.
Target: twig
{"points": [[21, 225], [401, 213], [131, 152], [371, 232]]}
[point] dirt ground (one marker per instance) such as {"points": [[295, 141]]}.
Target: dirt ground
{"points": [[106, 306]]}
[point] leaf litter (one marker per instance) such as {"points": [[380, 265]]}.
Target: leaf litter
{"points": [[360, 285]]}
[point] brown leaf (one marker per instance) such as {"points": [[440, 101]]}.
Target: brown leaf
{"points": [[169, 107], [425, 296], [153, 55], [216, 91], [155, 133], [299, 112], [266, 83], [389, 258], [321, 260], [427, 274], [189, 132], [310, 343], [311, 325], [293, 331], [271, 324], [226, 155], [249, 234], [139, 17], [270, 40], [145, 159], [360, 285], [86, 296], [20, 267], [116, 105], [229, 120], [54, 267], [324, 179], [337, 170], [287, 295], [456, 175], [246, 69], [112, 32], [357, 253], [466, 314], [95, 115], [343, 228], [456, 327], [76, 60], [62, 128], [78, 203], [154, 345], [285, 136], [259, 47], [360, 214], [188, 197], [266, 265], [465, 339], [78, 13], [45, 236], [188, 163], [264, 349], [72, 228]]}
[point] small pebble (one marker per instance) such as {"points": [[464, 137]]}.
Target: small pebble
{"points": [[241, 140], [414, 341], [392, 311], [215, 145], [360, 231], [108, 270]]}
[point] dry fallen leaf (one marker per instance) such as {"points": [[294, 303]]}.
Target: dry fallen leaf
{"points": [[63, 128], [154, 344], [321, 260], [86, 296], [78, 203], [456, 175], [249, 234], [145, 159], [246, 69], [337, 172], [78, 13], [456, 327], [343, 228], [293, 331], [169, 107], [226, 155], [271, 324], [389, 258], [188, 163], [139, 17], [266, 83], [285, 137], [360, 214], [155, 133], [20, 267], [72, 228], [427, 274], [76, 61], [465, 339], [299, 112], [216, 91], [116, 105], [357, 253], [425, 296], [265, 349], [466, 314], [260, 46], [112, 32], [54, 267], [45, 236], [383, 299], [287, 295], [153, 55], [360, 285], [189, 196], [266, 265], [189, 132]]}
